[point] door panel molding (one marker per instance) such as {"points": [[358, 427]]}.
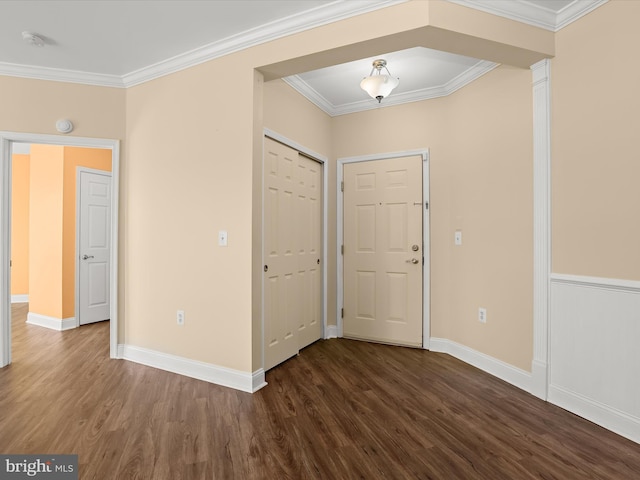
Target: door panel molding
{"points": [[424, 153], [323, 160], [7, 139]]}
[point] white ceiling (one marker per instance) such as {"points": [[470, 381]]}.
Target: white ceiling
{"points": [[123, 43]]}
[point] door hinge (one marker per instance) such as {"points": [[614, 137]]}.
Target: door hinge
{"points": [[426, 205], [342, 186], [11, 263], [341, 249], [342, 313]]}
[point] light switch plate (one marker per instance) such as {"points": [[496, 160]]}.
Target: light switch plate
{"points": [[222, 238], [458, 237]]}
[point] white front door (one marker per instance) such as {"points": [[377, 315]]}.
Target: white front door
{"points": [[94, 246], [292, 252], [383, 250]]}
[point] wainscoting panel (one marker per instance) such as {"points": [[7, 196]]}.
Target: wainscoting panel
{"points": [[594, 350]]}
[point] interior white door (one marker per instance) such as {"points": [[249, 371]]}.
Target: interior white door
{"points": [[308, 223], [94, 246], [292, 247], [383, 256]]}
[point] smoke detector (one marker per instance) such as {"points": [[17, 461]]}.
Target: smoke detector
{"points": [[33, 39]]}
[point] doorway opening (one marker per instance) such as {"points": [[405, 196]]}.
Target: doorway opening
{"points": [[8, 140]]}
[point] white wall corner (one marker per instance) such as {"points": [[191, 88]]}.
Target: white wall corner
{"points": [[226, 377], [20, 298], [539, 379], [258, 380], [51, 323], [331, 332], [510, 374], [69, 323]]}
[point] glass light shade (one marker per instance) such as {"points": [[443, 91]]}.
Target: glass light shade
{"points": [[379, 86]]}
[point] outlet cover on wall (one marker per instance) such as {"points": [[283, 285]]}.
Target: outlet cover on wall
{"points": [[180, 317], [482, 315]]}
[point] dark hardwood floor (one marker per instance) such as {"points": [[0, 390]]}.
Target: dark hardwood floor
{"points": [[340, 410]]}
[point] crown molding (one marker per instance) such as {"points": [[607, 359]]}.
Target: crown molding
{"points": [[60, 75], [322, 15], [448, 88], [536, 15], [333, 12], [576, 10]]}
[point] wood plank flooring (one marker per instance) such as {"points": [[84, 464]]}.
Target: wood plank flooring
{"points": [[340, 410]]}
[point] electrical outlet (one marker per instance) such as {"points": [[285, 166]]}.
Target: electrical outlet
{"points": [[180, 317], [482, 315]]}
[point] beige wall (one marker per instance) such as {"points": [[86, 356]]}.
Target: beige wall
{"points": [[192, 165], [480, 141], [595, 131], [490, 197], [190, 176], [193, 140], [34, 106]]}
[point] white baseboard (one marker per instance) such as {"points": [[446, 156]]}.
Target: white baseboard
{"points": [[619, 422], [227, 377], [495, 367], [24, 298], [331, 332], [51, 322]]}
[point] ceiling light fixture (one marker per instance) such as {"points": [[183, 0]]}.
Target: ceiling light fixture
{"points": [[377, 84], [33, 39]]}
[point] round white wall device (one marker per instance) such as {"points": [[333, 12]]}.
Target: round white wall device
{"points": [[64, 126]]}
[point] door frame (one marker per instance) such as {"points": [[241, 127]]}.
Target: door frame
{"points": [[7, 139], [426, 267], [80, 170], [322, 160]]}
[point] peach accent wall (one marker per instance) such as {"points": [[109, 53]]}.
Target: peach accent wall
{"points": [[52, 223], [20, 225], [45, 230], [595, 163]]}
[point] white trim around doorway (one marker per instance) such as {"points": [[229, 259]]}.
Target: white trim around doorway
{"points": [[424, 153], [7, 139]]}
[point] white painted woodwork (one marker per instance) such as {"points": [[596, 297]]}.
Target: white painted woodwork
{"points": [[382, 221], [594, 356], [292, 252], [541, 223], [94, 242]]}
